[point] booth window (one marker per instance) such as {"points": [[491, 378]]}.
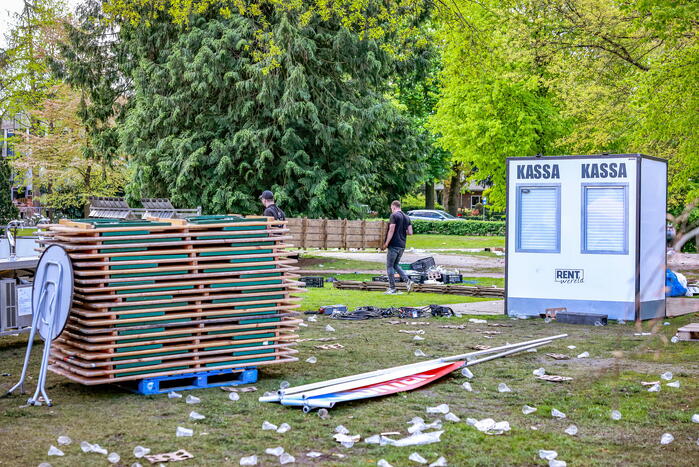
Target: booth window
{"points": [[605, 226], [539, 219]]}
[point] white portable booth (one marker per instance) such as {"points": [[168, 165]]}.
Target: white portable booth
{"points": [[586, 233]]}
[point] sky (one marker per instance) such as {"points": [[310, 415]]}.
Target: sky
{"points": [[8, 10]]}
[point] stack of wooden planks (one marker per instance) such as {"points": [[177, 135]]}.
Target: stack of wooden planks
{"points": [[324, 233], [454, 289], [162, 297]]}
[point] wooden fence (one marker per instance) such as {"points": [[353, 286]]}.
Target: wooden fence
{"points": [[341, 233]]}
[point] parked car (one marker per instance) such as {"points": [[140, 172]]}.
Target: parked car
{"points": [[431, 215]]}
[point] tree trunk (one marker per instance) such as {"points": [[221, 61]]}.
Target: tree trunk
{"points": [[454, 190], [87, 179], [429, 194]]}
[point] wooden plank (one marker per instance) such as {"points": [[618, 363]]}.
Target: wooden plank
{"points": [[65, 371]]}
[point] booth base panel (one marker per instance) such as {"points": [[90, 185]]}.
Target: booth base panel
{"points": [[614, 310]]}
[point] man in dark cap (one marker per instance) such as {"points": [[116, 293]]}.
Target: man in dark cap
{"points": [[271, 209]]}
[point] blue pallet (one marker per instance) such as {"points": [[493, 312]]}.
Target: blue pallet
{"points": [[199, 380]]}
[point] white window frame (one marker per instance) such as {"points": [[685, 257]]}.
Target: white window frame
{"points": [[583, 219], [518, 237]]}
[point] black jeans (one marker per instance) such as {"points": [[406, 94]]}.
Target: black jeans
{"points": [[393, 256]]}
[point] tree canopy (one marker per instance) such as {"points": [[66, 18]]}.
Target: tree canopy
{"points": [[210, 125]]}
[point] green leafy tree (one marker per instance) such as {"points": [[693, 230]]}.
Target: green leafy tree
{"points": [[417, 91], [210, 124], [26, 78], [624, 75], [66, 178], [494, 102], [8, 210], [91, 61]]}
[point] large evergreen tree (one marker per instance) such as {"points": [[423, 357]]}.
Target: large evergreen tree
{"points": [[212, 124], [8, 210]]}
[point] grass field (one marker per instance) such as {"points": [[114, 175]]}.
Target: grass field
{"points": [[316, 297], [609, 379], [427, 242]]}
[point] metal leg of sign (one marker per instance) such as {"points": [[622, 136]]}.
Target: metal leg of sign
{"points": [[41, 384], [32, 334]]}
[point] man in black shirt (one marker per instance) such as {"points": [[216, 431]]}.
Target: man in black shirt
{"points": [[399, 227], [271, 209]]}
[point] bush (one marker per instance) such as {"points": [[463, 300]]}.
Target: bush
{"points": [[479, 228]]}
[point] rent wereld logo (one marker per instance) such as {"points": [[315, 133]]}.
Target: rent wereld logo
{"points": [[569, 276]]}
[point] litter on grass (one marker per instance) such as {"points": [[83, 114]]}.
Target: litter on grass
{"points": [[502, 387], [557, 413], [467, 386], [674, 384], [341, 429], [196, 416], [467, 373], [174, 395], [234, 396], [286, 458], [667, 376], [666, 438], [418, 439], [547, 455], [539, 372], [526, 410], [441, 462], [616, 415], [451, 417], [268, 426], [416, 457], [64, 440], [192, 399], [278, 451], [183, 432], [489, 426], [54, 451], [695, 418], [237, 389], [555, 378], [249, 460], [140, 451], [175, 456], [113, 458], [440, 409], [572, 430], [283, 428]]}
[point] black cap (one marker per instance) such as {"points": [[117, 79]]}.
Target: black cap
{"points": [[267, 195]]}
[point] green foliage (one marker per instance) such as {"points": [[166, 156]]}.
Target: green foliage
{"points": [[413, 201], [25, 78], [88, 62], [209, 125], [481, 228], [8, 210], [494, 102]]}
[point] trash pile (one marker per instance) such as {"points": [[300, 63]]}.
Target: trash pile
{"points": [[372, 312], [425, 271]]}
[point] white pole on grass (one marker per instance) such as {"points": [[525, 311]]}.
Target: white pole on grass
{"points": [[466, 356]]}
